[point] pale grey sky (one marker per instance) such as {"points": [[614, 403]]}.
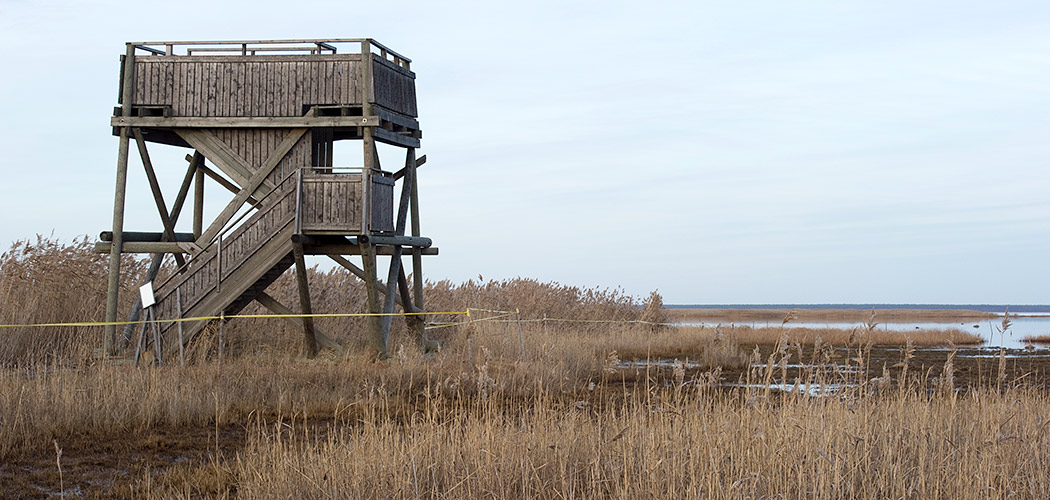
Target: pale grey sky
{"points": [[721, 152]]}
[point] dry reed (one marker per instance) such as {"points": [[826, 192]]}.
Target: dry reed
{"points": [[483, 419], [1037, 339]]}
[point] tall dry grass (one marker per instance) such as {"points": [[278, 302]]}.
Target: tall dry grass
{"points": [[563, 422], [547, 411], [47, 281], [692, 444]]}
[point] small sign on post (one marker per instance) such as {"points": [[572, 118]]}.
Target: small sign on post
{"points": [[146, 291]]}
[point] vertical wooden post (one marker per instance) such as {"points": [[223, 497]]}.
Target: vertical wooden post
{"points": [[178, 310], [521, 334], [198, 197], [368, 143], [304, 298], [417, 254], [158, 348], [127, 84], [141, 345], [395, 257], [368, 260], [222, 321], [369, 153]]}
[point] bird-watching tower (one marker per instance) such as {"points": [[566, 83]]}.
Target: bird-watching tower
{"points": [[260, 119]]}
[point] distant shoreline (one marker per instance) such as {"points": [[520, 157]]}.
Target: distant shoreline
{"points": [[984, 308], [854, 315]]}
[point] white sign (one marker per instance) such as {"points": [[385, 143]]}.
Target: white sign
{"points": [[146, 291]]}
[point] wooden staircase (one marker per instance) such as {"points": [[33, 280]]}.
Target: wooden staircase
{"points": [[234, 270]]}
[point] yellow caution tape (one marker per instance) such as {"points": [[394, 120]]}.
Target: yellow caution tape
{"points": [[243, 316]]}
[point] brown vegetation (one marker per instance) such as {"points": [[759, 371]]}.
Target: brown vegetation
{"points": [[547, 411], [45, 281], [1037, 339]]}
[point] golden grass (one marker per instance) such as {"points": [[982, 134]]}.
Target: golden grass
{"points": [[46, 281], [694, 444], [817, 315], [482, 419], [563, 421]]}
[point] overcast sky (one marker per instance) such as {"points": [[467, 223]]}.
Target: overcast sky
{"points": [[721, 152]]}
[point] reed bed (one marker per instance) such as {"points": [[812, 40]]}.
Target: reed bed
{"points": [[47, 281], [536, 409], [691, 444], [566, 420], [1037, 339]]}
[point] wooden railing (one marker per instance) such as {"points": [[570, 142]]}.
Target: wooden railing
{"points": [[333, 202], [228, 252], [271, 47]]}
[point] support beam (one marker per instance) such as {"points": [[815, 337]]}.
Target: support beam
{"points": [[304, 299], [401, 173], [192, 248], [256, 180], [410, 185], [360, 273], [158, 196], [178, 122], [127, 87], [417, 253], [130, 236], [379, 338], [158, 258], [218, 153], [399, 230], [270, 303], [231, 187], [198, 194], [184, 189]]}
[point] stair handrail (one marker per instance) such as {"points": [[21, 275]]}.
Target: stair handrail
{"points": [[226, 229]]}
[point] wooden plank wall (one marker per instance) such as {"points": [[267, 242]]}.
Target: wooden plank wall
{"points": [[246, 86], [254, 147], [382, 203], [394, 87], [331, 202]]}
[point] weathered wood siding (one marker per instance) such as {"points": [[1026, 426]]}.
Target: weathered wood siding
{"points": [[254, 146], [331, 203], [382, 203], [394, 87], [266, 86]]}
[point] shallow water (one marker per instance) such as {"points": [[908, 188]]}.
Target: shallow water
{"points": [[1021, 326]]}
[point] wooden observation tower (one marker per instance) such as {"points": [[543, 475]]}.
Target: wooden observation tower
{"points": [[261, 119]]}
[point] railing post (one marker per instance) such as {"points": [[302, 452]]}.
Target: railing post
{"points": [[298, 200]]}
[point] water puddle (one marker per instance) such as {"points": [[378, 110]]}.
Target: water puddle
{"points": [[815, 390], [1020, 327]]}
